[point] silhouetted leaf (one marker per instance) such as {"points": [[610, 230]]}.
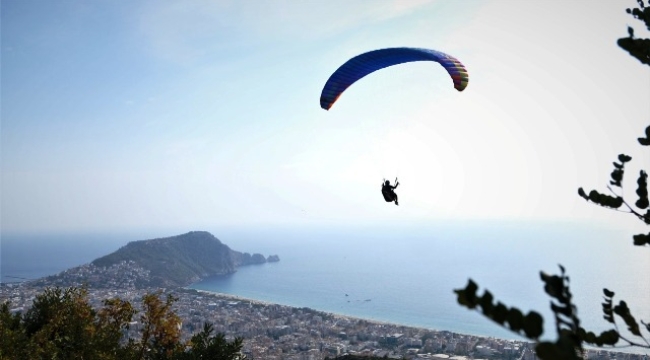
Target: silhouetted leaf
{"points": [[609, 337], [594, 196], [553, 285], [486, 303], [607, 311], [554, 351], [608, 317], [581, 192], [564, 310], [533, 325], [562, 321], [645, 141], [638, 48], [616, 202], [624, 158], [515, 319], [546, 350], [605, 200], [500, 313], [607, 306], [641, 239], [588, 337], [642, 190], [617, 177], [467, 296], [623, 311]]}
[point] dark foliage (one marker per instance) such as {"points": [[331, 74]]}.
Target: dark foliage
{"points": [[638, 48], [61, 324], [206, 346], [570, 335], [531, 325]]}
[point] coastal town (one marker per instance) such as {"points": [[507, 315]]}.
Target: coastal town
{"points": [[272, 331]]}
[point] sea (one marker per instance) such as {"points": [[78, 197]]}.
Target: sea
{"points": [[396, 274]]}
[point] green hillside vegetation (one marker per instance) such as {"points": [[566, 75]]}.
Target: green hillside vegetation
{"points": [[62, 324], [178, 260]]}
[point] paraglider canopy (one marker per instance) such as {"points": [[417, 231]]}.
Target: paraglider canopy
{"points": [[366, 63]]}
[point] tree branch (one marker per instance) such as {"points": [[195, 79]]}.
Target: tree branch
{"points": [[631, 210]]}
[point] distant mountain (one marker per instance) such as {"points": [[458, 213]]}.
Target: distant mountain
{"points": [[180, 260]]}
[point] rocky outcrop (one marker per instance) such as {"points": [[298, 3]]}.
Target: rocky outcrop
{"points": [[242, 259], [181, 260]]}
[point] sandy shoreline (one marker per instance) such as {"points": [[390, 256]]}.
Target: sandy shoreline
{"points": [[231, 297]]}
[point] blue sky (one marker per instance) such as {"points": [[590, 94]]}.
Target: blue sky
{"points": [[194, 115]]}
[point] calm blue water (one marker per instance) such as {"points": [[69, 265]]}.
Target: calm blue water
{"points": [[37, 255], [408, 274]]}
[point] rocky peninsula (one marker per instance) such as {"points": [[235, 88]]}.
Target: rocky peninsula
{"points": [[174, 261]]}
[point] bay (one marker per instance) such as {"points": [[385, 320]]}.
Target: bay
{"points": [[407, 275], [398, 274], [32, 256]]}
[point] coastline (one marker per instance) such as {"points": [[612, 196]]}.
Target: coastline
{"points": [[333, 314], [231, 297], [386, 308], [265, 325]]}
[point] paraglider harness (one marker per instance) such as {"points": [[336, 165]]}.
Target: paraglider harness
{"points": [[387, 191]]}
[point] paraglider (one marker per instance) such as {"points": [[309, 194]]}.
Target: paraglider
{"points": [[389, 191], [369, 62], [361, 65]]}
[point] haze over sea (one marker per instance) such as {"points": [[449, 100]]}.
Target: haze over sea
{"points": [[403, 275]]}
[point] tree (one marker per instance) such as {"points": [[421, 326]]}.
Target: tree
{"points": [[12, 335], [61, 324], [111, 321], [161, 328], [570, 335], [205, 346]]}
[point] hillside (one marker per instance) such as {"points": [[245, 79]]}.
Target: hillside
{"points": [[182, 259]]}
